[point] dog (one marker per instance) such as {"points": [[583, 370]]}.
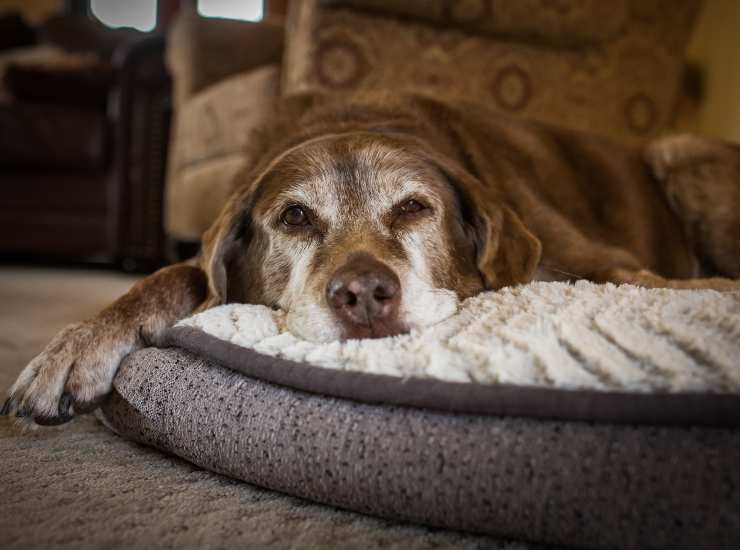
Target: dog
{"points": [[373, 216]]}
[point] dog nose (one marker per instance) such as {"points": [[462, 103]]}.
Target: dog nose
{"points": [[365, 295]]}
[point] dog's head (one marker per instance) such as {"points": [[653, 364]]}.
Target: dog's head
{"points": [[363, 234]]}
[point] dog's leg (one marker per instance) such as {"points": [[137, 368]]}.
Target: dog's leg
{"points": [[701, 180], [76, 369], [649, 279]]}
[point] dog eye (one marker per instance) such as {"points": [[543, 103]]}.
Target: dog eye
{"points": [[411, 207], [295, 216]]}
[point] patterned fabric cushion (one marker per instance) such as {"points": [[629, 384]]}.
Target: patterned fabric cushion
{"points": [[208, 147], [623, 85]]}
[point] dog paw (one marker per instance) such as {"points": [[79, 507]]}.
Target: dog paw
{"points": [[70, 376], [680, 152]]}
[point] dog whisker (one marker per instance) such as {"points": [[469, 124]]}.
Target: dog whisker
{"points": [[561, 271]]}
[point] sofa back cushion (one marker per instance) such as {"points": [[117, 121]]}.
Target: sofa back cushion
{"points": [[34, 135], [566, 65]]}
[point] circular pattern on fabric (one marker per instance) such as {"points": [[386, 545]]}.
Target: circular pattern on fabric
{"points": [[640, 113], [340, 63], [512, 88]]}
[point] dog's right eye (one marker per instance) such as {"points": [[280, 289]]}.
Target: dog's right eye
{"points": [[411, 206], [295, 216]]}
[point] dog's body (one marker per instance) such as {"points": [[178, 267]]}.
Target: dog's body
{"points": [[374, 217]]}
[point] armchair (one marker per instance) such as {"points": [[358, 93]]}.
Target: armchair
{"points": [[83, 181]]}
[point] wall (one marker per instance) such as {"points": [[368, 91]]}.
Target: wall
{"points": [[716, 46]]}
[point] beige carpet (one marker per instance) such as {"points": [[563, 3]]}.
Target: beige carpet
{"points": [[80, 487]]}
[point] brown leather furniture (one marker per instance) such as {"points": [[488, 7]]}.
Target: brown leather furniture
{"points": [[82, 156]]}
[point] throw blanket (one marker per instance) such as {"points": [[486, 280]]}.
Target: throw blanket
{"points": [[574, 336]]}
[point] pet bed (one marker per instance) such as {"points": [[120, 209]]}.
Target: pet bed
{"points": [[591, 416]]}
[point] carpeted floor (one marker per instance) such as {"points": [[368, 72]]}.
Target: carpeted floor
{"points": [[80, 487]]}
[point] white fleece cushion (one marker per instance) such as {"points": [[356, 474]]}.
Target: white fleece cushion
{"points": [[581, 335]]}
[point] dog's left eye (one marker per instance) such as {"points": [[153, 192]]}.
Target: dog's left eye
{"points": [[411, 207], [295, 216]]}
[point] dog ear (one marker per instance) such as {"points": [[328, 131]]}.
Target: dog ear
{"points": [[507, 253], [219, 244]]}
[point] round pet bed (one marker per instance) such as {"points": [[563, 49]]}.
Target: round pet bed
{"points": [[621, 431]]}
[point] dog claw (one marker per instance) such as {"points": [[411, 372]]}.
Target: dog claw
{"points": [[64, 413], [51, 420], [86, 406], [65, 406], [6, 407]]}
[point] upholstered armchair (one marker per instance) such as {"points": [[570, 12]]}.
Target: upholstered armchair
{"points": [[83, 149], [612, 68]]}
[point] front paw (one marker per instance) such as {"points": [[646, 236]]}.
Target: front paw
{"points": [[70, 376]]}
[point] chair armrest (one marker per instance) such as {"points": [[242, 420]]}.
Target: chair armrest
{"points": [[203, 51], [139, 110]]}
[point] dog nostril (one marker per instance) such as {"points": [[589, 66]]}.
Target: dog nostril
{"points": [[339, 295], [382, 293]]}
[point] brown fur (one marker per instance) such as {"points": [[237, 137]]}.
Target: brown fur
{"points": [[518, 200]]}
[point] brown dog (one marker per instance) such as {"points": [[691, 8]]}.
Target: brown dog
{"points": [[374, 217]]}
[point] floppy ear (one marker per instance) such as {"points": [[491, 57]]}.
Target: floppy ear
{"points": [[218, 246], [508, 254]]}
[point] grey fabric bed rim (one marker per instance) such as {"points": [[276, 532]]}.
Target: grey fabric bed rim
{"points": [[680, 409], [577, 484]]}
